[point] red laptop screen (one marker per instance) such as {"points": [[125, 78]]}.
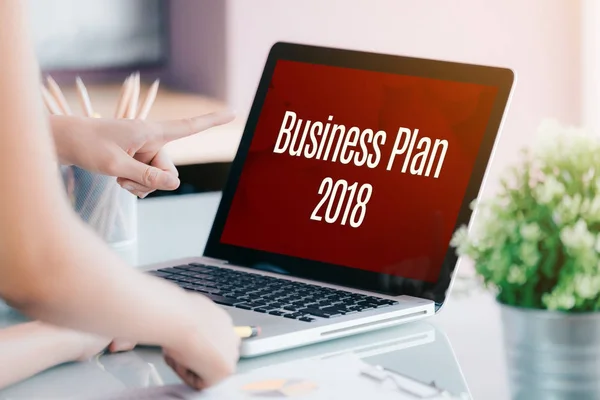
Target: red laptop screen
{"points": [[360, 169]]}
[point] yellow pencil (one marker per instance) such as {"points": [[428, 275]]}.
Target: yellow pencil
{"points": [[246, 332]]}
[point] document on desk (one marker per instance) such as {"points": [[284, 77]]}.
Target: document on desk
{"points": [[344, 376]]}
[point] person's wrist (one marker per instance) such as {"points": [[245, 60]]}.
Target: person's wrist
{"points": [[60, 127], [186, 331], [66, 344]]}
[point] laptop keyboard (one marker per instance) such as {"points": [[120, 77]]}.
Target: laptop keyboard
{"points": [[266, 294]]}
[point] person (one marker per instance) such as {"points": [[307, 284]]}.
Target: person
{"points": [[54, 269]]}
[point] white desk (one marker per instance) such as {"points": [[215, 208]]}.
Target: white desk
{"points": [[465, 336]]}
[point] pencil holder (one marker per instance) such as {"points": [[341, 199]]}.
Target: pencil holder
{"points": [[106, 207]]}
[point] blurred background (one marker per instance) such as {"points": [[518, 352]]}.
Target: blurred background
{"points": [[210, 53]]}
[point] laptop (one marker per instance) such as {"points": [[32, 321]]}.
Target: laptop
{"points": [[353, 172]]}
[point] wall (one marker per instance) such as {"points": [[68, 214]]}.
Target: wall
{"points": [[75, 35], [539, 39], [197, 53], [590, 43]]}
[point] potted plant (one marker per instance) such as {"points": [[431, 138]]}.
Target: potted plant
{"points": [[536, 244]]}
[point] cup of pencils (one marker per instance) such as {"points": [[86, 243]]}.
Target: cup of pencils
{"points": [[99, 200]]}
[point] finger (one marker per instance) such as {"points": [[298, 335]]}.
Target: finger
{"points": [[134, 187], [148, 175], [189, 377], [163, 161], [119, 345], [170, 362], [141, 195], [177, 129], [160, 160]]}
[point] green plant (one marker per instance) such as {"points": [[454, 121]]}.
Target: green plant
{"points": [[537, 241]]}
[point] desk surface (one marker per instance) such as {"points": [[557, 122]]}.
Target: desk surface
{"points": [[459, 349]]}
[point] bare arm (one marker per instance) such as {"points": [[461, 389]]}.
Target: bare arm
{"points": [[48, 257], [30, 348], [52, 267]]}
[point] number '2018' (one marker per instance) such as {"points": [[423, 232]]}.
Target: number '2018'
{"points": [[340, 200]]}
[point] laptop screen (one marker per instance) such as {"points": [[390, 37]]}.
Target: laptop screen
{"points": [[358, 168]]}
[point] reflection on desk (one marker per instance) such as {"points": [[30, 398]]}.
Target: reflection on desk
{"points": [[419, 351]]}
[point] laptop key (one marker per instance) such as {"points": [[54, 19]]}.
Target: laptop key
{"points": [[276, 304], [306, 319], [200, 270], [198, 275], [205, 283], [170, 270], [319, 313], [187, 286], [258, 303], [176, 278], [160, 274], [333, 311], [222, 300], [323, 304], [293, 315], [277, 312]]}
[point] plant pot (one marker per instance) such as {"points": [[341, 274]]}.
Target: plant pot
{"points": [[552, 355]]}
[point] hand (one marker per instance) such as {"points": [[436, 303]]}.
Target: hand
{"points": [[209, 351], [84, 345], [131, 150]]}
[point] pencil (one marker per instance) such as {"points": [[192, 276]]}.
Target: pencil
{"points": [[149, 101], [246, 332], [135, 94], [124, 98], [58, 95], [50, 103], [84, 97]]}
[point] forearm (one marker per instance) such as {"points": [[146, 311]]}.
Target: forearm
{"points": [[30, 348], [76, 282]]}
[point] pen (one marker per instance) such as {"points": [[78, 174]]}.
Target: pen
{"points": [[246, 332]]}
